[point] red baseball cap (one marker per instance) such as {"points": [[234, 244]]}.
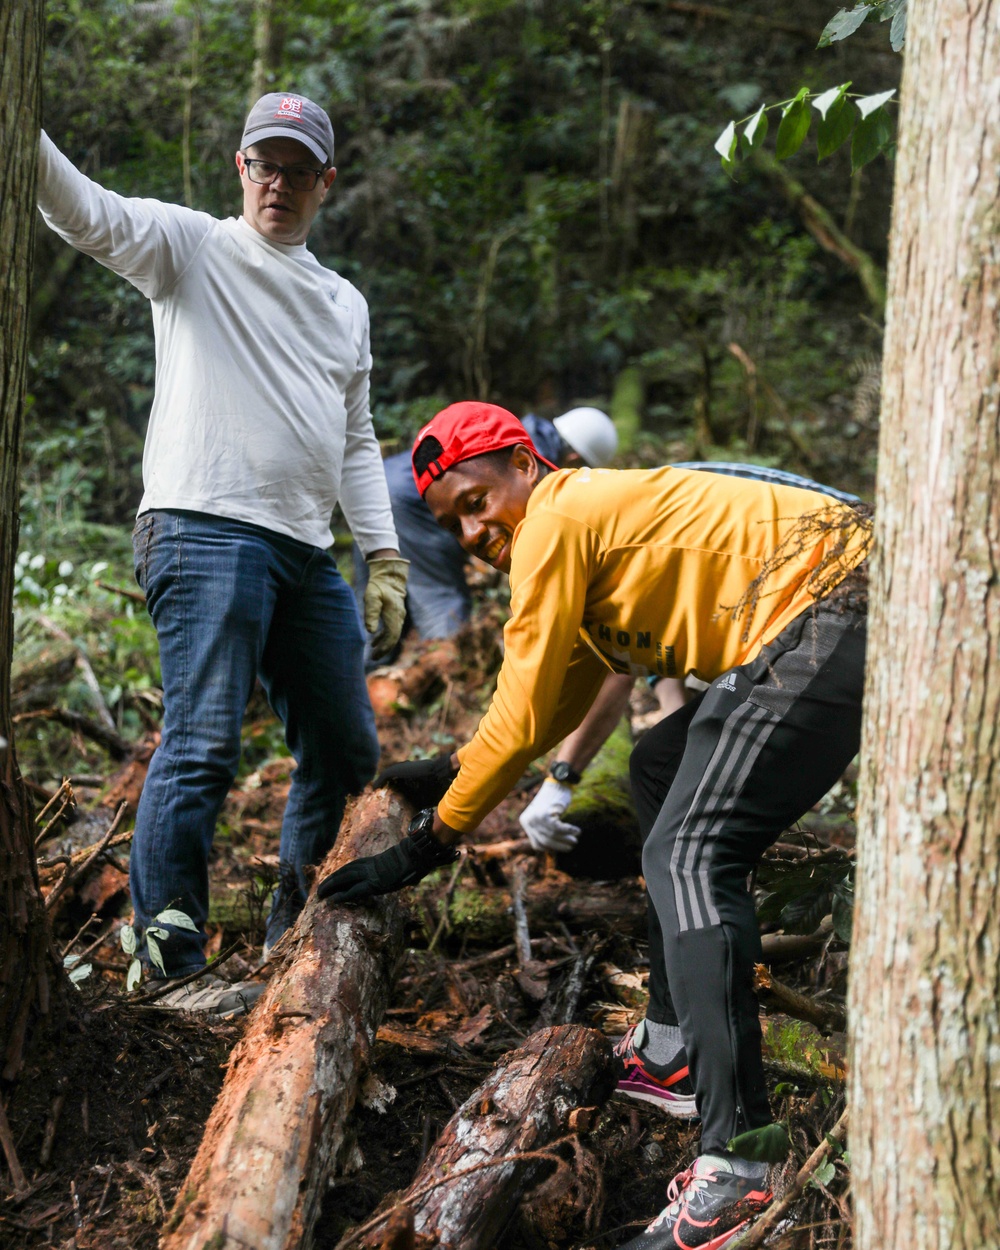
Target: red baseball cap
{"points": [[470, 429]]}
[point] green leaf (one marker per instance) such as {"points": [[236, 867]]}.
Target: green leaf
{"points": [[869, 103], [844, 23], [843, 916], [824, 1174], [835, 128], [154, 951], [80, 973], [179, 919], [128, 939], [823, 103], [794, 127], [70, 960], [871, 136], [897, 31], [157, 931], [804, 913], [769, 1144], [725, 145], [755, 131], [134, 975]]}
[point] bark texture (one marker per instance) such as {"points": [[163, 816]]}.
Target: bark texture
{"points": [[274, 1134], [24, 935], [925, 984], [533, 1097]]}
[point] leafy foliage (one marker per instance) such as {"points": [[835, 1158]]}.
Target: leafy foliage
{"points": [[846, 21], [797, 896], [154, 935], [867, 125]]}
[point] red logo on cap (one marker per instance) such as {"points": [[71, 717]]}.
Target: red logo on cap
{"points": [[291, 108]]}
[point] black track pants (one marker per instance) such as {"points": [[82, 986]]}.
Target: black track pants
{"points": [[714, 785]]}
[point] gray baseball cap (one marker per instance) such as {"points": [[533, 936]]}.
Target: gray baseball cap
{"points": [[281, 116]]}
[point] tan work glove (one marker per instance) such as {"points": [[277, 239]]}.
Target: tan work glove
{"points": [[385, 602]]}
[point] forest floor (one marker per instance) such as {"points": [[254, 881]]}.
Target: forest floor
{"points": [[110, 1107]]}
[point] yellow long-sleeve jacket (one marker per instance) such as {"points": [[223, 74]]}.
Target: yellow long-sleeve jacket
{"points": [[636, 571]]}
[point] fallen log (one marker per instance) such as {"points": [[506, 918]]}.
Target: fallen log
{"points": [[828, 1017], [501, 1142], [277, 1127], [395, 690], [485, 913], [97, 731]]}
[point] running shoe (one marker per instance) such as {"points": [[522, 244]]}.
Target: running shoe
{"points": [[667, 1086], [222, 1000], [709, 1207]]}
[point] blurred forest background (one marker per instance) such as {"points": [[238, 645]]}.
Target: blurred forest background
{"points": [[529, 198]]}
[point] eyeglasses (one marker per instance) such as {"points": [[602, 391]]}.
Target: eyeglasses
{"points": [[298, 177]]}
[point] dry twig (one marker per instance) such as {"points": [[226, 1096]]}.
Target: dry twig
{"points": [[75, 873]]}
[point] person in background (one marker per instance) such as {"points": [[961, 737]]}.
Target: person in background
{"points": [[260, 426], [438, 600], [758, 589]]}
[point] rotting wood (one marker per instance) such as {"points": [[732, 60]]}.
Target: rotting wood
{"points": [[405, 689], [275, 1132], [501, 1141]]}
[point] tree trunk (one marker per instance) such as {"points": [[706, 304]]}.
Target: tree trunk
{"points": [[25, 966], [274, 1134], [925, 982], [533, 1097], [268, 40]]}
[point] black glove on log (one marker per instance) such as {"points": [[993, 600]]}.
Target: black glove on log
{"points": [[422, 782], [401, 865]]}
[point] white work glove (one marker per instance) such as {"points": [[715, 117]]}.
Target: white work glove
{"points": [[385, 602], [540, 819]]}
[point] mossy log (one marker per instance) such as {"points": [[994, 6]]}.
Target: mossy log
{"points": [[483, 914], [610, 845], [493, 1149], [278, 1125]]}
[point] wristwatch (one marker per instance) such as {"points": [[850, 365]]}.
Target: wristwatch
{"points": [[566, 773], [420, 831]]}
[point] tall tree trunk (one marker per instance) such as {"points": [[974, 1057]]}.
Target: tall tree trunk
{"points": [[268, 41], [925, 981], [24, 935]]}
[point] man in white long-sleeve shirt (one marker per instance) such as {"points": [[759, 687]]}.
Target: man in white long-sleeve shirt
{"points": [[260, 426]]}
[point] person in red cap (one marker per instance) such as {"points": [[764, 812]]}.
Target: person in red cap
{"points": [[664, 571]]}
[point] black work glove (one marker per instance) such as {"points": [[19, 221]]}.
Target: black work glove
{"points": [[422, 782], [403, 864]]}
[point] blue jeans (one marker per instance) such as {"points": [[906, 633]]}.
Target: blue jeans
{"points": [[232, 602]]}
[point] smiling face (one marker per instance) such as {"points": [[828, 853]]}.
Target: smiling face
{"points": [[277, 211], [482, 501]]}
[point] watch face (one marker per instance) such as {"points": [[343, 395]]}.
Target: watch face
{"points": [[561, 771], [422, 821]]}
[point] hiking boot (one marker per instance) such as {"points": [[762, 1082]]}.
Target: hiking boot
{"points": [[220, 999], [667, 1086], [710, 1206]]}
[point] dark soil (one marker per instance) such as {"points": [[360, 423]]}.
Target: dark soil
{"points": [[136, 1085]]}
